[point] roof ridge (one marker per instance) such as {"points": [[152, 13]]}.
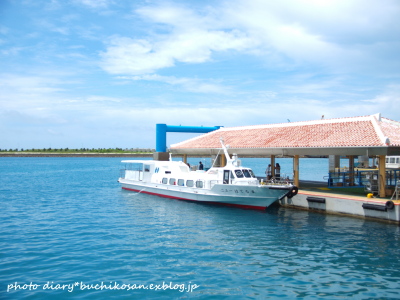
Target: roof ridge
{"points": [[290, 124], [392, 122], [374, 120]]}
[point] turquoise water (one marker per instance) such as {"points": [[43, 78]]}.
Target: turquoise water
{"points": [[66, 226]]}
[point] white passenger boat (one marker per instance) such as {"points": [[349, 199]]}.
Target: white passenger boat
{"points": [[232, 185]]}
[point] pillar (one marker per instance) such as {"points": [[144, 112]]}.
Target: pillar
{"points": [[296, 176], [351, 170], [273, 165], [334, 162], [382, 176], [223, 160]]}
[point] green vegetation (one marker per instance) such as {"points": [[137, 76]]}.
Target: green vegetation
{"points": [[81, 150]]}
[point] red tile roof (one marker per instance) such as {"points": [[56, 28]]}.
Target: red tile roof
{"points": [[367, 131]]}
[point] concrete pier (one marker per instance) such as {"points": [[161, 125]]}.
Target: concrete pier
{"points": [[317, 197]]}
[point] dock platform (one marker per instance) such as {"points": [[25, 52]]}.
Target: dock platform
{"points": [[317, 196]]}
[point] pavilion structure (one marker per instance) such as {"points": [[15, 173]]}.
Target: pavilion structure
{"points": [[367, 136]]}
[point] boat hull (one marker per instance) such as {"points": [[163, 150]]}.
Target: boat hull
{"points": [[251, 197]]}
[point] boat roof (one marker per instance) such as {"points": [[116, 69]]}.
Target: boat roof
{"points": [[153, 162]]}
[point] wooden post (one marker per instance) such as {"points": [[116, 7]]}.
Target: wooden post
{"points": [[223, 160], [351, 170], [296, 170], [382, 176], [273, 165], [185, 158]]}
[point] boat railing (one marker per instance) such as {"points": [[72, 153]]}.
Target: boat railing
{"points": [[244, 183], [360, 178], [282, 180], [272, 181]]}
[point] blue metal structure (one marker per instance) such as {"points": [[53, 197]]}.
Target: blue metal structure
{"points": [[162, 129]]}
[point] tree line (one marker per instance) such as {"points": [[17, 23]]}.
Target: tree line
{"points": [[86, 150]]}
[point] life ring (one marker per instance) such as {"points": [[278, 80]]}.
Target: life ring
{"points": [[293, 192]]}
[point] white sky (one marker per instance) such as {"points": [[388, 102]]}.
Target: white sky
{"points": [[103, 73]]}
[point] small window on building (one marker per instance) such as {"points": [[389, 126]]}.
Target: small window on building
{"points": [[199, 184], [164, 180], [189, 183], [181, 182], [172, 181]]}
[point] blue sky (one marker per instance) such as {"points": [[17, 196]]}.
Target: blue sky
{"points": [[103, 73]]}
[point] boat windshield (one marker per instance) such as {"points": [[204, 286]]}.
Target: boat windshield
{"points": [[241, 173], [251, 173]]}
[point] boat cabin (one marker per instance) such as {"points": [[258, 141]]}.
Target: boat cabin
{"points": [[393, 162], [178, 173]]}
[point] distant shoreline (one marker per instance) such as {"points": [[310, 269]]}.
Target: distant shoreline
{"points": [[53, 154], [41, 154]]}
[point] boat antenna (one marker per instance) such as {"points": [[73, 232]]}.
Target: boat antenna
{"points": [[228, 158]]}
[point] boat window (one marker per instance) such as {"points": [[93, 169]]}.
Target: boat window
{"points": [[199, 184], [167, 172], [226, 176], [181, 182], [147, 168], [252, 173], [134, 166], [392, 160], [246, 173], [239, 173], [164, 180], [189, 183], [172, 181]]}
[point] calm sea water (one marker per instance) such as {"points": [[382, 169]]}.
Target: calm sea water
{"points": [[66, 226]]}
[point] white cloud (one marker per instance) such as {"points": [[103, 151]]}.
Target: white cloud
{"points": [[388, 101], [139, 56], [187, 38], [187, 84], [341, 35], [129, 56], [289, 32], [102, 99], [94, 3]]}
